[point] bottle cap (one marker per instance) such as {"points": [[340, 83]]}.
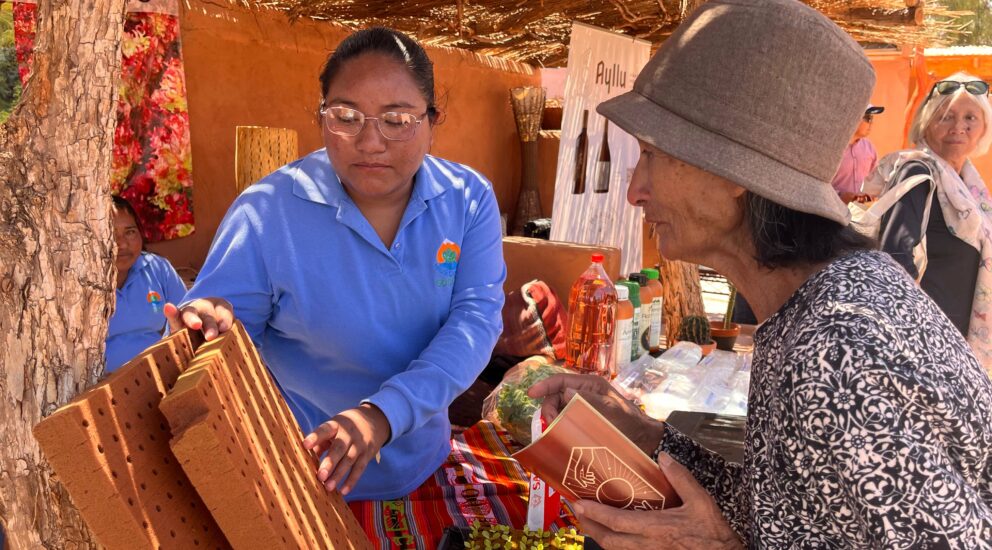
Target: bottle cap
{"points": [[639, 278], [623, 293], [651, 273], [598, 258], [634, 291]]}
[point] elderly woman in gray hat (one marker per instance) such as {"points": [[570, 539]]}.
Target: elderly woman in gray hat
{"points": [[870, 420]]}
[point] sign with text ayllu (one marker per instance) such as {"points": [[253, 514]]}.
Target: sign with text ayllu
{"points": [[596, 159]]}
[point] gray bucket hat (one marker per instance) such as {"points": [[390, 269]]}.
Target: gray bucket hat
{"points": [[765, 93]]}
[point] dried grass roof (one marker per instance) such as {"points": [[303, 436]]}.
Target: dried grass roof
{"points": [[537, 31]]}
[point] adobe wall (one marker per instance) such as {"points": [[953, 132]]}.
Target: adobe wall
{"points": [[256, 68]]}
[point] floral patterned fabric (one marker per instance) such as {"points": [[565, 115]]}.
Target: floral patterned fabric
{"points": [[152, 161], [869, 422]]}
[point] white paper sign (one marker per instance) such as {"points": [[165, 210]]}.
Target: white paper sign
{"points": [[601, 65]]}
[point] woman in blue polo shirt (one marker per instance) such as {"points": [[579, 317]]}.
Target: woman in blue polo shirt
{"points": [[145, 282], [368, 273]]}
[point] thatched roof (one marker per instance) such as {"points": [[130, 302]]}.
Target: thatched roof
{"points": [[537, 31]]}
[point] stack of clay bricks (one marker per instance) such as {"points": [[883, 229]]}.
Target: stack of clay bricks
{"points": [[184, 450]]}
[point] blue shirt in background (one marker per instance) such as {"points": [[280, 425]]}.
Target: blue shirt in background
{"points": [[340, 319], [138, 321]]}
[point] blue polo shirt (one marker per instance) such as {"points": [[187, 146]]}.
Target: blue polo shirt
{"points": [[138, 321], [340, 319]]}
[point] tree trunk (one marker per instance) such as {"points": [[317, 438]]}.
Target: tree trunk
{"points": [[681, 293], [56, 254], [680, 286]]}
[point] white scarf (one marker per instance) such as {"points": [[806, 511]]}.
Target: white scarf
{"points": [[967, 208]]}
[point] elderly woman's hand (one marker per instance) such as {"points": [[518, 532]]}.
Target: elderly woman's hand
{"points": [[697, 524], [214, 316], [558, 390], [351, 440]]}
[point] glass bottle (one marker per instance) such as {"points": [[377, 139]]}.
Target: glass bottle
{"points": [[581, 148], [603, 164]]}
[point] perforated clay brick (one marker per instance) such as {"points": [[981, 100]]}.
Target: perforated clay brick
{"points": [[242, 449], [110, 448]]}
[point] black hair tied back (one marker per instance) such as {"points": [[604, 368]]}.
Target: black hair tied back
{"points": [[389, 42]]}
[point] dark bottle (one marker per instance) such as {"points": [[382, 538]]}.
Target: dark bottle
{"points": [[581, 147], [603, 164]]}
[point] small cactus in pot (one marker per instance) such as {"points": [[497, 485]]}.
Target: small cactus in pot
{"points": [[696, 329], [731, 302], [725, 332]]}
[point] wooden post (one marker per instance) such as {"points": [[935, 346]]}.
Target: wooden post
{"points": [[259, 151], [878, 16]]}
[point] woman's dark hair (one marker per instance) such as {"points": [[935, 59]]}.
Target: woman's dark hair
{"points": [[785, 238], [386, 41], [122, 204]]}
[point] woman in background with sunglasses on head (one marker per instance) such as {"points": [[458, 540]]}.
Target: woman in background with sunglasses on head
{"points": [[368, 273], [941, 238]]}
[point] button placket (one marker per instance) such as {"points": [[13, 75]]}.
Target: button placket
{"points": [[397, 252]]}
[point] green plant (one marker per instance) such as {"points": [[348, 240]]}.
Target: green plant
{"points": [[696, 329], [514, 407], [730, 306], [501, 537]]}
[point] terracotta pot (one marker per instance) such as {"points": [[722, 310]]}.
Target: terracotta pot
{"points": [[724, 337], [707, 348]]}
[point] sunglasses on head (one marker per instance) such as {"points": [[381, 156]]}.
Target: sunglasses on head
{"points": [[947, 87]]}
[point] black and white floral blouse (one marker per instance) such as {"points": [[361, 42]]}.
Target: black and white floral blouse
{"points": [[869, 422]]}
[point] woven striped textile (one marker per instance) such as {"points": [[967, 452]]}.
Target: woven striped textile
{"points": [[478, 482]]}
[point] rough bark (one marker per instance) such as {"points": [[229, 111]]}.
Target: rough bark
{"points": [[681, 293], [56, 254]]}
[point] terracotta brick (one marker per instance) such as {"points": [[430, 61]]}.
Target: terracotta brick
{"points": [[242, 449], [110, 448]]}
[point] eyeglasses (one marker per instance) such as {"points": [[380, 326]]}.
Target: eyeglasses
{"points": [[947, 87], [347, 122], [868, 118]]}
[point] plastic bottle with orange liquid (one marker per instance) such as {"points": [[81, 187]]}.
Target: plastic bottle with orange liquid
{"points": [[592, 311]]}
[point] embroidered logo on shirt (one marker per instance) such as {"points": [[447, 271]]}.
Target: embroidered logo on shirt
{"points": [[155, 299], [447, 263]]}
